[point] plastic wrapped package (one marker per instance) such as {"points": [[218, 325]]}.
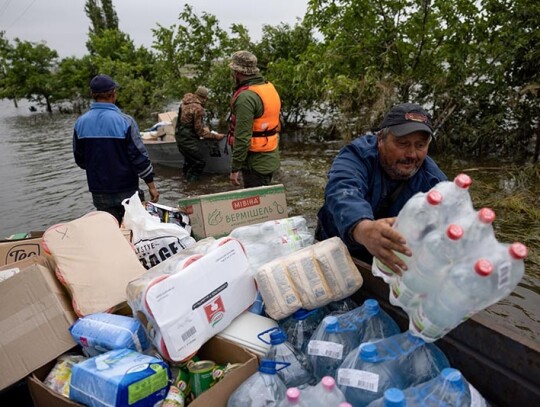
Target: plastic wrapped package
{"points": [[59, 377], [101, 332], [183, 302], [119, 378], [313, 276]]}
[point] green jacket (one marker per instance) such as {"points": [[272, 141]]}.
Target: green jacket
{"points": [[247, 106]]}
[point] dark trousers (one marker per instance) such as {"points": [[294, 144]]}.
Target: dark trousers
{"points": [[254, 179], [193, 163], [112, 203]]}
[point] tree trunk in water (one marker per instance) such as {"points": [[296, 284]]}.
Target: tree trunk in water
{"points": [[15, 103], [49, 107]]}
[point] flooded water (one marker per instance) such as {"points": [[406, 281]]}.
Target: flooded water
{"points": [[41, 186]]}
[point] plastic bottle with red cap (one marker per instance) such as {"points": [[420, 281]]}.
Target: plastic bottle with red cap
{"points": [[456, 200], [469, 289], [428, 268], [420, 216]]}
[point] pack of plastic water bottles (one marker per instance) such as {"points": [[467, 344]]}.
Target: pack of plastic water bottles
{"points": [[458, 267]]}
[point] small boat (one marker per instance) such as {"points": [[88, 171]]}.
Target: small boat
{"points": [[501, 364], [163, 151]]}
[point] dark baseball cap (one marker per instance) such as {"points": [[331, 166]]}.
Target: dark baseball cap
{"points": [[406, 118], [102, 84]]}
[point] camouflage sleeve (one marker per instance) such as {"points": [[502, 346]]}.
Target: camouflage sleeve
{"points": [[198, 124]]}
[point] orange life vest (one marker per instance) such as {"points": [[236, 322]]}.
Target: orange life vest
{"points": [[265, 132]]}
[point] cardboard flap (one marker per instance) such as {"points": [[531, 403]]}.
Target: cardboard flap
{"points": [[34, 320]]}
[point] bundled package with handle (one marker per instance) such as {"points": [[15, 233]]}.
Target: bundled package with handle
{"points": [[309, 278], [186, 301]]}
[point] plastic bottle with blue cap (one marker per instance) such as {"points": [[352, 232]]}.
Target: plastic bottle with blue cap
{"points": [[400, 361], [393, 397], [300, 326], [371, 322], [298, 373], [263, 388], [329, 346]]}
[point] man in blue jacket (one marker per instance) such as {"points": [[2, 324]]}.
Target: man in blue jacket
{"points": [[107, 144], [372, 178]]}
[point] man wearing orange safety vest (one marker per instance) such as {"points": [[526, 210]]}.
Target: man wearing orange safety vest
{"points": [[254, 127]]}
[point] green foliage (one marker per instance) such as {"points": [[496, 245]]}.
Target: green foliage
{"points": [[471, 63]]}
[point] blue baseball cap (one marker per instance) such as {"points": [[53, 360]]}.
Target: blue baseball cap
{"points": [[102, 84]]}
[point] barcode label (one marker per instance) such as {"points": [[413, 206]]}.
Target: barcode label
{"points": [[359, 379], [189, 333], [324, 348], [504, 275]]}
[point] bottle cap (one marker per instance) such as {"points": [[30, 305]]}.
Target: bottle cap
{"points": [[434, 197], [368, 351], [302, 314], [454, 232], [518, 251], [267, 366], [371, 306], [278, 336], [486, 215], [452, 376], [483, 267], [293, 394], [328, 383], [394, 397], [463, 181], [331, 324]]}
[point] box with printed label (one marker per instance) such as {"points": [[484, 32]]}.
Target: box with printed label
{"points": [[12, 251], [218, 214]]}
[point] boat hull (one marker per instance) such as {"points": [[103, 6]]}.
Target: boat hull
{"points": [[217, 154], [502, 365]]}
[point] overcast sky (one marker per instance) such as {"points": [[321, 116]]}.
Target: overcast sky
{"points": [[63, 25]]}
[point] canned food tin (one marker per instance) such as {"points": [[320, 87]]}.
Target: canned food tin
{"points": [[182, 382], [201, 376], [175, 398]]}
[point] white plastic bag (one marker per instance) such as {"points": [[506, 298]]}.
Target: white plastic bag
{"points": [[154, 241]]}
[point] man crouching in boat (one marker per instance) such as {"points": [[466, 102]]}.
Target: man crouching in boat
{"points": [[372, 178]]}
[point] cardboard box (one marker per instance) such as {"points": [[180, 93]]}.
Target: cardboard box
{"points": [[12, 251], [168, 129], [217, 215], [218, 350], [35, 317]]}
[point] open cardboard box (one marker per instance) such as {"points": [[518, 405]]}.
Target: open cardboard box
{"points": [[35, 316], [219, 350]]}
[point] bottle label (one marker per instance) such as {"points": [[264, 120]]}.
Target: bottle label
{"points": [[402, 295], [425, 327], [324, 348], [358, 378], [504, 275]]}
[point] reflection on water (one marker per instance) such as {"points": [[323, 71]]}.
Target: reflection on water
{"points": [[43, 186]]}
